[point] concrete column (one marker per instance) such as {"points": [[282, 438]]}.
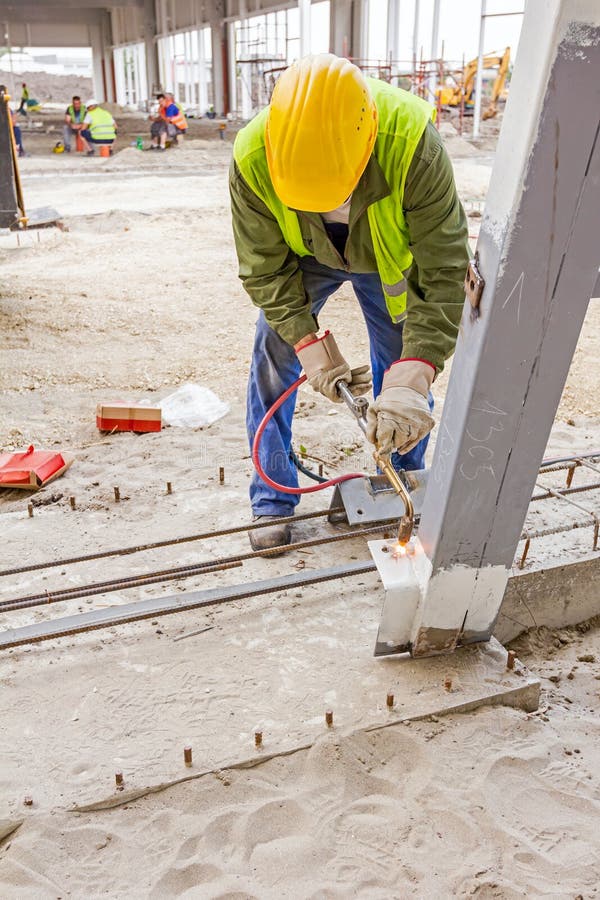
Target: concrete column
{"points": [[393, 30], [360, 29], [340, 27], [202, 79], [220, 52], [107, 64], [415, 35], [479, 74], [150, 47], [120, 76], [435, 48], [538, 254], [304, 12], [233, 98], [98, 52]]}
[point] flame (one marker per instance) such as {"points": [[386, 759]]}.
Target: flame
{"points": [[399, 550]]}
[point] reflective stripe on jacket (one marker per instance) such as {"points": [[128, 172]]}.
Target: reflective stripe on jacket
{"points": [[403, 118], [102, 127]]}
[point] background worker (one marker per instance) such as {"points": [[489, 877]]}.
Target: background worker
{"points": [[17, 133], [345, 178], [24, 98], [74, 116], [175, 119], [158, 128], [99, 127]]}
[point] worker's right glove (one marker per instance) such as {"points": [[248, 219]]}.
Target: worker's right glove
{"points": [[324, 366], [400, 417]]}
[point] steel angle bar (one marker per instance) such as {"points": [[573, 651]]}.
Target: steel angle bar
{"points": [[162, 606]]}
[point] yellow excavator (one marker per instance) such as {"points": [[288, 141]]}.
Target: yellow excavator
{"points": [[452, 95]]}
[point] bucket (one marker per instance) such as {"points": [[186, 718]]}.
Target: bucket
{"points": [[104, 149], [78, 143]]}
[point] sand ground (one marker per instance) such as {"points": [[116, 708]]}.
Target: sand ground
{"points": [[139, 296]]}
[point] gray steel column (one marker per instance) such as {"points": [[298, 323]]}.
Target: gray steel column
{"points": [[539, 254]]}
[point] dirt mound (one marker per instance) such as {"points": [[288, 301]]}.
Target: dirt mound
{"points": [[57, 88]]}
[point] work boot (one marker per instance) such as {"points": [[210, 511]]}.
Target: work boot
{"points": [[265, 538]]}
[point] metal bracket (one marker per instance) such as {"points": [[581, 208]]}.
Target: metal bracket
{"points": [[371, 499], [474, 285], [395, 565]]}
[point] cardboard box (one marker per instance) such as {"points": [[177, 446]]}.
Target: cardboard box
{"points": [[128, 417], [31, 469]]}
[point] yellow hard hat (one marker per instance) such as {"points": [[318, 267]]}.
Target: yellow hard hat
{"points": [[321, 128]]}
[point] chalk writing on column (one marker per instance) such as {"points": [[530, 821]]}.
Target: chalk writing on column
{"points": [[518, 287], [445, 445], [479, 457]]}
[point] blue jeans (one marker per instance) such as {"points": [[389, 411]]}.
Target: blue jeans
{"points": [[275, 366]]}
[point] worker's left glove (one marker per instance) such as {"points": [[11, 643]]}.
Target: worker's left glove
{"points": [[400, 417], [324, 366]]}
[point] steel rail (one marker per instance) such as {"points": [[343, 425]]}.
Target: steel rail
{"points": [[102, 587]]}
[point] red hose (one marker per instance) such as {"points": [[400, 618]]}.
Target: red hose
{"points": [[332, 481], [256, 447]]}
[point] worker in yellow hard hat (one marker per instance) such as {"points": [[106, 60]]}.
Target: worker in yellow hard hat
{"points": [[345, 178]]}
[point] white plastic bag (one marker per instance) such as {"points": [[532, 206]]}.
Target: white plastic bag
{"points": [[192, 406]]}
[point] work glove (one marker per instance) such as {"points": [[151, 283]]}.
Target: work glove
{"points": [[324, 366], [400, 417]]}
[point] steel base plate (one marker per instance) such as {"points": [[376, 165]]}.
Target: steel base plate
{"points": [[371, 499]]}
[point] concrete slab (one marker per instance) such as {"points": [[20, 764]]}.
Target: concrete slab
{"points": [[555, 596], [132, 700]]}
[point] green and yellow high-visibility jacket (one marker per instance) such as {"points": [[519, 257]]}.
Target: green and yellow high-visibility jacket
{"points": [[101, 126], [74, 115], [406, 223]]}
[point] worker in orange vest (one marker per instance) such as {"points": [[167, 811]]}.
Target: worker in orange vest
{"points": [[172, 113]]}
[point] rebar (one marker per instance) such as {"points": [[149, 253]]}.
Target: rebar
{"points": [[550, 492], [552, 466], [226, 562], [100, 588], [167, 542]]}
